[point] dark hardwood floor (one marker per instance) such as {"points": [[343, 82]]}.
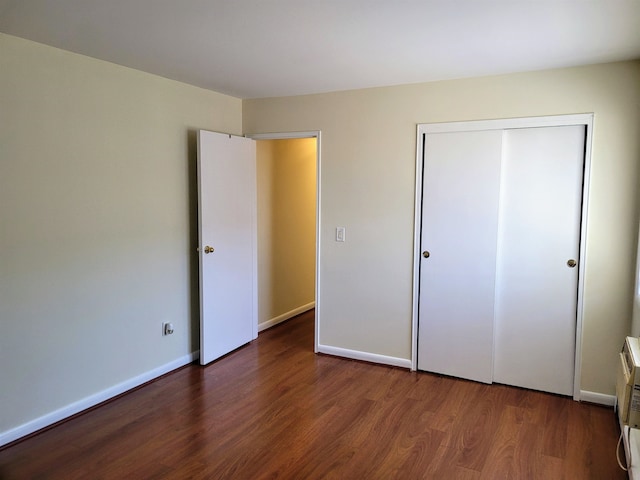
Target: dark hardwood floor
{"points": [[274, 409]]}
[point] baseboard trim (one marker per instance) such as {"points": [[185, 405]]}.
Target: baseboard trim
{"points": [[92, 400], [285, 316], [365, 356], [598, 398]]}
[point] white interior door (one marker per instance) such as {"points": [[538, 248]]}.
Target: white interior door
{"points": [[539, 232], [461, 180], [227, 243]]}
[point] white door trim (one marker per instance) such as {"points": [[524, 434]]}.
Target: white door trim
{"points": [[585, 119], [284, 135], [306, 134]]}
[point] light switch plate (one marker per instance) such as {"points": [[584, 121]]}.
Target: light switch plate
{"points": [[340, 234]]}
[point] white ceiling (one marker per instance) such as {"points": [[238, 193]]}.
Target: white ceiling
{"points": [[265, 48]]}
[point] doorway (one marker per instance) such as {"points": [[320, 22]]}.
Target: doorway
{"points": [[287, 218]]}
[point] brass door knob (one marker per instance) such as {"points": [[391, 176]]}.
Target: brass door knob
{"points": [[208, 249], [571, 263], [426, 254]]}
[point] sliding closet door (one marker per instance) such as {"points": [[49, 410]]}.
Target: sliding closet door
{"points": [[538, 250], [457, 271]]}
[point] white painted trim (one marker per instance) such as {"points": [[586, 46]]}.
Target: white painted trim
{"points": [[417, 233], [365, 356], [586, 183], [508, 123], [597, 398], [284, 135], [254, 252], [93, 400], [317, 135], [316, 339], [285, 316]]}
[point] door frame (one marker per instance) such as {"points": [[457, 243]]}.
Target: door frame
{"points": [[306, 134], [585, 119]]}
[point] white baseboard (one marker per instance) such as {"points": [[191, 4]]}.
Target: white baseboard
{"points": [[92, 400], [365, 356], [285, 316], [598, 398]]}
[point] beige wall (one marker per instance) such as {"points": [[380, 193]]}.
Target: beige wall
{"points": [[367, 184], [286, 176], [97, 224]]}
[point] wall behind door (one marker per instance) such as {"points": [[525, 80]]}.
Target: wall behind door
{"points": [[368, 185], [286, 177]]}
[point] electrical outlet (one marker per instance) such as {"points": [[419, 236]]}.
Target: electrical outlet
{"points": [[167, 328]]}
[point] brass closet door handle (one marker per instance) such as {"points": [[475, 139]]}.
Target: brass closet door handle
{"points": [[426, 254], [571, 263], [208, 249]]}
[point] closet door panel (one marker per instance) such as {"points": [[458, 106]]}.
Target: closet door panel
{"points": [[539, 233], [459, 228]]}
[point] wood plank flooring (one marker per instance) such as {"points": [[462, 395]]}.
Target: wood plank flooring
{"points": [[275, 410]]}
